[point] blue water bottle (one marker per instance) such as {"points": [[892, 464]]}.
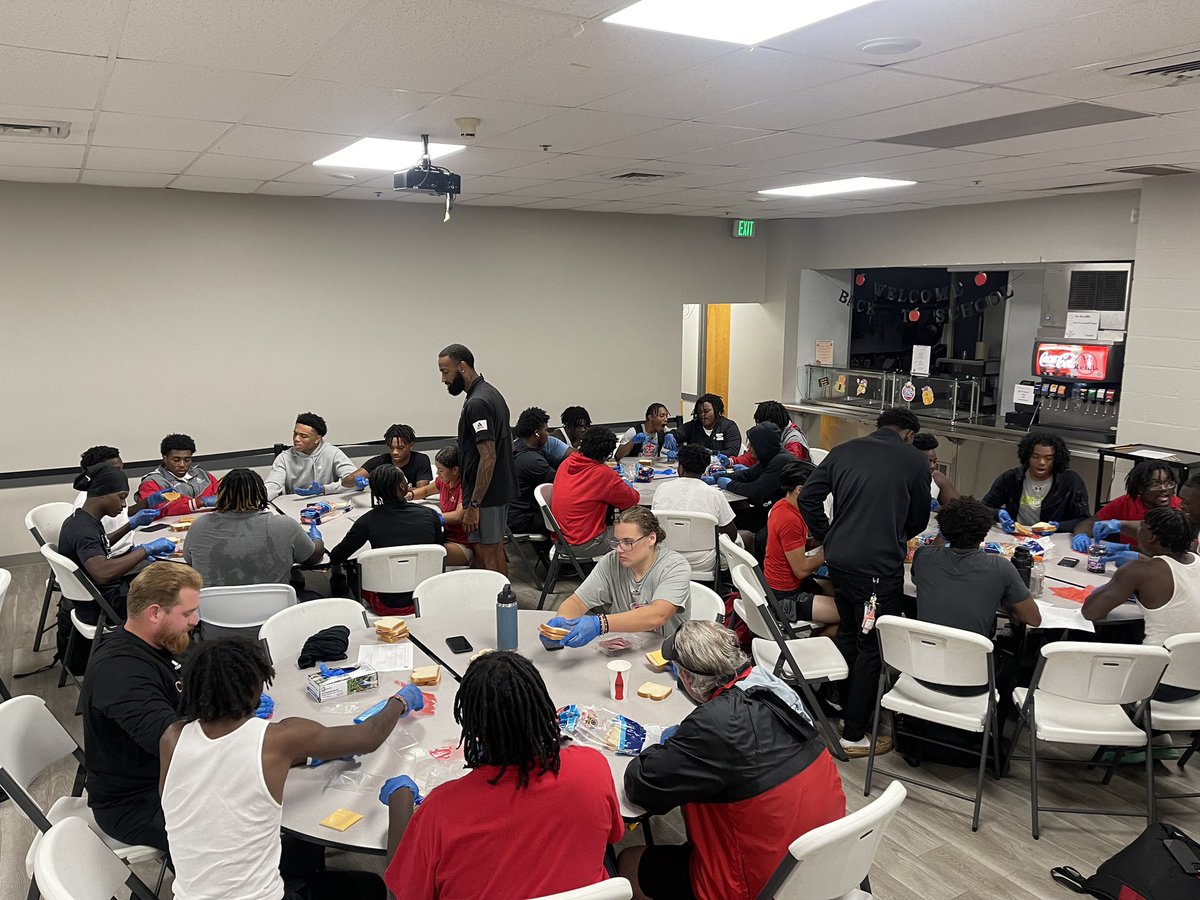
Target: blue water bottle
{"points": [[506, 619]]}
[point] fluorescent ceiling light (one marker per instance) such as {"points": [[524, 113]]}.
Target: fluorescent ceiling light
{"points": [[844, 186], [378, 153], [741, 22]]}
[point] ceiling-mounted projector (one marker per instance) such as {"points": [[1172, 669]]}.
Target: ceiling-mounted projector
{"points": [[426, 178]]}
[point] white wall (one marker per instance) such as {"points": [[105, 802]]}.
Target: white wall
{"points": [[132, 313], [1160, 404], [1022, 315], [820, 317], [1066, 228]]}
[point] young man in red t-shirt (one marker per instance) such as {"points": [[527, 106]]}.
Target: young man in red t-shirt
{"points": [[531, 817], [584, 488], [1149, 485], [787, 566]]}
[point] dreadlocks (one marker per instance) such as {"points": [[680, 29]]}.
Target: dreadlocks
{"points": [[388, 486], [772, 411], [1174, 530], [404, 432], [1143, 473], [241, 490], [507, 716], [718, 405], [93, 455], [224, 679]]}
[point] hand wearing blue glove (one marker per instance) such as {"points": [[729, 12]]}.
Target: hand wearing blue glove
{"points": [[312, 489], [670, 445], [156, 499], [738, 467], [1112, 548], [627, 481], [1080, 543], [361, 482], [1125, 556], [208, 502], [143, 517], [314, 532], [708, 479], [413, 699], [1103, 528], [266, 707], [584, 630], [667, 732], [822, 572], [671, 454], [723, 459], [1007, 525], [397, 782], [934, 505], [160, 549], [641, 437], [1053, 523], [723, 483]]}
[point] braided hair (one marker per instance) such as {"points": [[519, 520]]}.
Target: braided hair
{"points": [[224, 679], [718, 405], [404, 432], [93, 455], [1143, 473], [241, 490], [388, 486], [1172, 527], [574, 416], [507, 717], [772, 411]]}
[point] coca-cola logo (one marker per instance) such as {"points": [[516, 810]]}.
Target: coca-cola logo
{"points": [[1056, 359]]}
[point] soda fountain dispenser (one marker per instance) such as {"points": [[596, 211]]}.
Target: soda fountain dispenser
{"points": [[1081, 387]]}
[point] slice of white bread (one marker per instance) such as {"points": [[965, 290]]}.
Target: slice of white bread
{"points": [[426, 676], [652, 691], [554, 634]]}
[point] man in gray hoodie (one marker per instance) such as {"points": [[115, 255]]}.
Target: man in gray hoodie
{"points": [[312, 465]]}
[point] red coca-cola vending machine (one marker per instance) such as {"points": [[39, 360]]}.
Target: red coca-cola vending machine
{"points": [[1080, 388]]}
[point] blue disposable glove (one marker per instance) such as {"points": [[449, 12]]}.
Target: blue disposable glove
{"points": [[708, 479], [361, 482], [1112, 548], [1007, 525], [314, 532], [266, 707], [156, 499], [671, 454], [584, 630], [159, 549], [1053, 523], [822, 572], [208, 502], [933, 505], [738, 467], [413, 699], [143, 517], [1125, 556], [312, 489], [723, 459], [724, 482], [667, 732], [1103, 528], [670, 445], [1080, 543], [641, 437], [627, 481], [394, 784]]}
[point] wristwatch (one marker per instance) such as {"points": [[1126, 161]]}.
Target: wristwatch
{"points": [[474, 504]]}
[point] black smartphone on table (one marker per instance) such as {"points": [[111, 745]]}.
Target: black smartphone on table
{"points": [[459, 644], [1069, 561], [151, 528]]}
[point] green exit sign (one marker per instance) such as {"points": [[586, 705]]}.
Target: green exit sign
{"points": [[743, 228]]}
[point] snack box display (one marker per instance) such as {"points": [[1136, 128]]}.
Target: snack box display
{"points": [[334, 687]]}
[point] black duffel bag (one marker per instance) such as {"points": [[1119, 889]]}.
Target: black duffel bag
{"points": [[1162, 863]]}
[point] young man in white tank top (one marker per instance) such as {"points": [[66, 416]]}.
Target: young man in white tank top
{"points": [[222, 776], [1164, 579]]}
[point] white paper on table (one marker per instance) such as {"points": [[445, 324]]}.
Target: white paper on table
{"points": [[1155, 454], [1058, 617], [386, 657]]}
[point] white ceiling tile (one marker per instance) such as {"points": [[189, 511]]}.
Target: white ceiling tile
{"points": [[496, 117], [559, 203], [736, 79], [292, 189], [911, 165], [782, 148], [78, 26], [217, 185], [970, 106], [570, 166], [613, 206], [275, 36], [361, 193], [304, 104], [1181, 97], [79, 120], [982, 166], [433, 46], [640, 194], [126, 179], [870, 92], [43, 78], [31, 153], [497, 184], [488, 161], [155, 132], [1051, 182], [162, 89], [137, 160], [679, 137], [489, 200], [239, 167], [322, 175], [1187, 159], [552, 189], [583, 8], [575, 129], [277, 143], [38, 173], [1081, 83]]}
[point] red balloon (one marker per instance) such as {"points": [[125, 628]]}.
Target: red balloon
{"points": [[981, 279], [860, 280], [914, 315]]}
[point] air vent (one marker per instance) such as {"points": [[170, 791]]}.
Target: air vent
{"points": [[1101, 291], [1181, 68], [643, 177], [33, 128], [1155, 171]]}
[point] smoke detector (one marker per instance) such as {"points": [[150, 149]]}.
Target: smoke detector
{"points": [[468, 126]]}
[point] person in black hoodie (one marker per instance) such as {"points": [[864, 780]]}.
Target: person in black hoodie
{"points": [[1043, 488], [880, 487], [760, 482]]}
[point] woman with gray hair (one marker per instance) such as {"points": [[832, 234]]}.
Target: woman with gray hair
{"points": [[747, 767]]}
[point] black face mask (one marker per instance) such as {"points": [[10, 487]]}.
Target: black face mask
{"points": [[458, 385]]}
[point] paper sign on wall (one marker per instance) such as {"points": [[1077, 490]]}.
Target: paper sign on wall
{"points": [[824, 353], [920, 359], [1084, 326], [1023, 393]]}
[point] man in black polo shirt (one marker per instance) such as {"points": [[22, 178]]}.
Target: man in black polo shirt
{"points": [[489, 477], [130, 697], [880, 486]]}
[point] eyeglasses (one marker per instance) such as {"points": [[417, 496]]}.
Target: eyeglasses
{"points": [[1161, 485], [626, 543]]}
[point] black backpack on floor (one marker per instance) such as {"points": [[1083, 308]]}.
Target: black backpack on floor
{"points": [[1162, 863]]}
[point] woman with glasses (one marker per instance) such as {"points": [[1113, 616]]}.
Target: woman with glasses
{"points": [[639, 587], [1149, 485]]}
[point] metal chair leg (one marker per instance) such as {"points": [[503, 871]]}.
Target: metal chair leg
{"points": [[983, 755], [1187, 754], [551, 580], [1151, 802], [51, 587], [1033, 790], [875, 733]]}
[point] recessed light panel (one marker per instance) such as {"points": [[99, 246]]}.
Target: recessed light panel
{"points": [[385, 155], [844, 186], [743, 22]]}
